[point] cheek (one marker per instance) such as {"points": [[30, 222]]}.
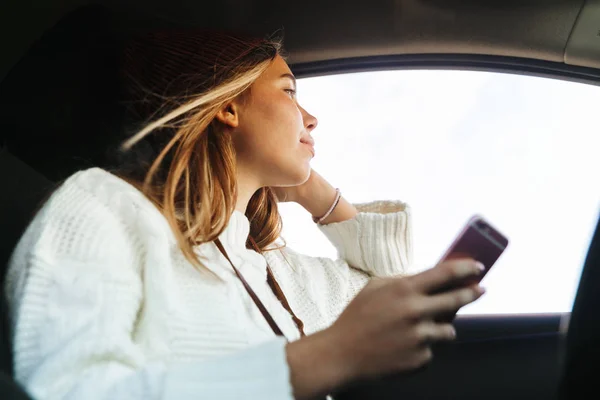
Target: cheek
{"points": [[271, 131], [279, 124]]}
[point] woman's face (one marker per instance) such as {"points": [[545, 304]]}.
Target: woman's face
{"points": [[272, 136]]}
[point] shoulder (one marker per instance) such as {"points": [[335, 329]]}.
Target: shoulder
{"points": [[91, 212], [96, 191], [102, 188]]}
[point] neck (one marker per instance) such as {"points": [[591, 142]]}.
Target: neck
{"points": [[246, 187]]}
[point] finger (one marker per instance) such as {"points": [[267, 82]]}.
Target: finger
{"points": [[447, 273], [430, 332], [423, 357], [450, 302]]}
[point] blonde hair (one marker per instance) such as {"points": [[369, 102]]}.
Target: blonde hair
{"points": [[193, 179]]}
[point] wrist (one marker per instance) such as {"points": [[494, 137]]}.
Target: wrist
{"points": [[316, 195], [325, 217], [304, 194]]}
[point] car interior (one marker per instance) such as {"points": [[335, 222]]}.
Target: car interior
{"points": [[60, 112]]}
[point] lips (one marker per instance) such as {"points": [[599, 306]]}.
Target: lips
{"points": [[310, 143], [311, 148]]}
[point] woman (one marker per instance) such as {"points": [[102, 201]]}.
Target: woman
{"points": [[167, 280]]}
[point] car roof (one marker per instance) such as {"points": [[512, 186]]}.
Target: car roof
{"points": [[562, 31]]}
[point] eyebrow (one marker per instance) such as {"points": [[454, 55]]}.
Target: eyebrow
{"points": [[290, 76]]}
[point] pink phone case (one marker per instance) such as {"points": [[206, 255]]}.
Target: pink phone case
{"points": [[478, 240]]}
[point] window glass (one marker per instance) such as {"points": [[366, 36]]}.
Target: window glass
{"points": [[522, 151]]}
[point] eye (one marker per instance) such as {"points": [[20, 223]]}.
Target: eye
{"points": [[291, 92]]}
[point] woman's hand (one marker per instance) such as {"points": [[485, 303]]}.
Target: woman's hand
{"points": [[316, 195], [388, 328]]}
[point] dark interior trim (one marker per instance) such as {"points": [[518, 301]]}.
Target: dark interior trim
{"points": [[495, 357], [515, 65], [501, 326]]}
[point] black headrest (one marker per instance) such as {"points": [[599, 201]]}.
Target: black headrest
{"points": [[23, 190], [59, 110]]}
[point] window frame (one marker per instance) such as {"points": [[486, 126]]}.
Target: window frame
{"points": [[465, 62]]}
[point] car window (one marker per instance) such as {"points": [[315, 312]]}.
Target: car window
{"points": [[522, 151]]}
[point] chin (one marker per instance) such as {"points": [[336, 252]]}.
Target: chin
{"points": [[305, 174], [297, 177], [289, 173]]}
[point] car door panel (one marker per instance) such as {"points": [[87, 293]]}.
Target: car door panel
{"points": [[494, 357]]}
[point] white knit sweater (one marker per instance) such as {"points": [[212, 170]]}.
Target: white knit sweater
{"points": [[105, 306]]}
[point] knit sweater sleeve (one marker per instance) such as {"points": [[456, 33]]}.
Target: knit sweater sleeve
{"points": [[75, 290], [377, 241]]}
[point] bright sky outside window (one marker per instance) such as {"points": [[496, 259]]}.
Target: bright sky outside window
{"points": [[522, 151]]}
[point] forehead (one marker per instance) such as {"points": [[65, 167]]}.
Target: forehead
{"points": [[277, 68]]}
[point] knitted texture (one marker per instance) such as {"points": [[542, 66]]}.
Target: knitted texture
{"points": [[105, 306]]}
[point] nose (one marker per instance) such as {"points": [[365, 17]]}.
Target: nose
{"points": [[310, 121]]}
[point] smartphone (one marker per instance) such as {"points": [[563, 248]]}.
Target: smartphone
{"points": [[480, 241]]}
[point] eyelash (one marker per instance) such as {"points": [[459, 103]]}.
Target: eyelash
{"points": [[291, 91]]}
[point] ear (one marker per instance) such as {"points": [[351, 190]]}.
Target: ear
{"points": [[229, 115]]}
